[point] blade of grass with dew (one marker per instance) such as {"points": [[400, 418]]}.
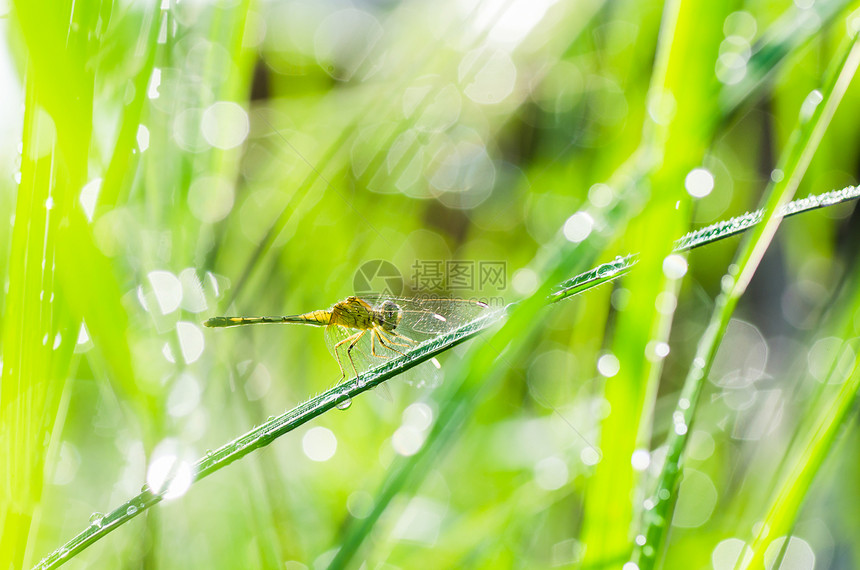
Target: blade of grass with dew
{"points": [[606, 272], [678, 130], [802, 145], [272, 429]]}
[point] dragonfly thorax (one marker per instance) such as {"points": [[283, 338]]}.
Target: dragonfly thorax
{"points": [[388, 315]]}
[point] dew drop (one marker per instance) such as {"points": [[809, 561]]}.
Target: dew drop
{"points": [[96, 519], [131, 510], [345, 404]]}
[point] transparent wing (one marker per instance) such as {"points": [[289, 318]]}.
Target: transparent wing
{"points": [[425, 318]]}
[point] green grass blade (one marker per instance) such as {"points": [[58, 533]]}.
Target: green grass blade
{"points": [[39, 330], [683, 89], [77, 280], [26, 388], [804, 141], [816, 441]]}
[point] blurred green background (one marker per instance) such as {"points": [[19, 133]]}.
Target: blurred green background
{"points": [[162, 162]]}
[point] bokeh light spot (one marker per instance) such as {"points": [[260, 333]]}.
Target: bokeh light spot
{"points": [[167, 290], [551, 473], [608, 365], [797, 555], [697, 498], [578, 227], [191, 341], [674, 266], [641, 459], [407, 440], [142, 138], [319, 444], [210, 198], [726, 554], [170, 472], [88, 197], [589, 456], [418, 415], [525, 281], [184, 396], [345, 40], [225, 125], [359, 504], [699, 182]]}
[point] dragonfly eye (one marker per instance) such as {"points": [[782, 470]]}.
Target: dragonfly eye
{"points": [[389, 315]]}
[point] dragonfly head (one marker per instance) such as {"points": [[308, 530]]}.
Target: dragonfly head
{"points": [[388, 315]]}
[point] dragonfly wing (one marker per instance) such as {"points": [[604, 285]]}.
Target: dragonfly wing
{"points": [[429, 317]]}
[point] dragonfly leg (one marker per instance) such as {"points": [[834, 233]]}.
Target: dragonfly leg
{"points": [[382, 338], [373, 336], [352, 339], [349, 350]]}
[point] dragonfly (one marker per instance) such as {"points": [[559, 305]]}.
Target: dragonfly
{"points": [[372, 328]]}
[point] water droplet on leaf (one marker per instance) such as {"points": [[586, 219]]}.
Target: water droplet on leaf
{"points": [[345, 404]]}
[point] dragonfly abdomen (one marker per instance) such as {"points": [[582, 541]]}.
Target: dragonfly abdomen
{"points": [[317, 318]]}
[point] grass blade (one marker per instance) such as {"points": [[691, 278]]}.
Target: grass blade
{"points": [[805, 140]]}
